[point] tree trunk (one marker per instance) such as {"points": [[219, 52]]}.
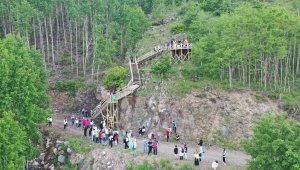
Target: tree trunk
{"points": [[63, 24], [42, 42], [76, 47], [52, 41], [34, 35], [71, 45], [57, 32], [47, 39], [86, 45]]}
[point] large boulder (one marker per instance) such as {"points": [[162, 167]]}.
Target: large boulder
{"points": [[61, 159]]}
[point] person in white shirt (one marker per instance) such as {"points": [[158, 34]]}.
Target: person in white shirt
{"points": [[76, 122], [65, 123], [215, 164], [49, 121], [224, 156]]}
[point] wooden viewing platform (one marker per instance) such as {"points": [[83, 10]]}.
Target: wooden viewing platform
{"points": [[108, 107]]}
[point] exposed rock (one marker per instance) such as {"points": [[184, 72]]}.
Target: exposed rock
{"points": [[59, 142], [42, 156], [51, 167], [225, 131], [76, 158], [67, 143], [61, 159], [46, 166], [55, 151], [69, 150]]}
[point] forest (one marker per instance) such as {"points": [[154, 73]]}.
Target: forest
{"points": [[251, 44]]}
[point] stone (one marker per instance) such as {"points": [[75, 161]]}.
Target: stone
{"points": [[55, 151], [59, 142], [46, 166], [76, 158], [42, 156], [225, 131], [61, 159], [42, 163], [51, 167], [35, 164], [47, 143], [69, 150], [103, 153], [67, 143]]}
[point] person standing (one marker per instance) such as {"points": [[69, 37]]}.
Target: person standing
{"points": [[176, 151], [168, 132], [150, 146], [145, 146], [65, 123], [196, 158], [111, 139], [215, 164], [100, 136], [73, 119], [91, 123], [155, 147], [134, 144], [185, 151], [181, 152], [200, 142], [174, 126], [76, 122], [224, 156], [49, 121], [90, 131]]}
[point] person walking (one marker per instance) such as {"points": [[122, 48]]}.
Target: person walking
{"points": [[176, 152], [168, 132], [150, 146], [49, 121], [100, 136], [174, 126], [224, 156], [155, 147], [65, 123], [90, 131], [200, 142]]}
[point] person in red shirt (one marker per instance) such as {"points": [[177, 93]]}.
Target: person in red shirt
{"points": [[155, 147], [168, 132], [100, 136]]}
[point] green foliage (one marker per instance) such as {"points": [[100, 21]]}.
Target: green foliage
{"points": [[115, 77], [71, 86], [23, 89], [13, 143], [177, 28], [275, 144], [162, 67], [79, 145], [163, 164]]}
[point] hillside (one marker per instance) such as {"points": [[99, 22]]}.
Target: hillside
{"points": [[237, 89]]}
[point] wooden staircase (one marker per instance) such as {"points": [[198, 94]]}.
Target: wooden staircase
{"points": [[108, 108]]}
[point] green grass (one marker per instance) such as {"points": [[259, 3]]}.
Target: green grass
{"points": [[81, 145]]}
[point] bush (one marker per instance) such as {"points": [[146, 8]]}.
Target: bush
{"points": [[115, 77], [162, 67], [177, 28], [70, 86]]}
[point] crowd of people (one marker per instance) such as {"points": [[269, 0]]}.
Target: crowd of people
{"points": [[107, 135], [173, 44]]}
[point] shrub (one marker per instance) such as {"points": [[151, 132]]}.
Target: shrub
{"points": [[177, 28], [162, 67], [70, 86], [115, 77]]}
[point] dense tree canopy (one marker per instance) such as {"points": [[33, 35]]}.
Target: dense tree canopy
{"points": [[275, 144], [115, 77], [23, 92]]}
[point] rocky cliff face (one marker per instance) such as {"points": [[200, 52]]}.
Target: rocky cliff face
{"points": [[215, 116]]}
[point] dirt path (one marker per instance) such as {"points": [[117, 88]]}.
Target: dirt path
{"points": [[237, 159]]}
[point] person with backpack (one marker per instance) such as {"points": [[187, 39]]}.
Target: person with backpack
{"points": [[168, 132], [155, 147], [224, 156], [65, 123], [196, 163], [176, 151]]}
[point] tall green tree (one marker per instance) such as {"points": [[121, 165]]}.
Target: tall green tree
{"points": [[275, 144], [23, 87], [13, 142]]}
